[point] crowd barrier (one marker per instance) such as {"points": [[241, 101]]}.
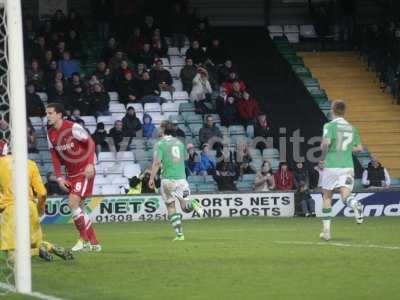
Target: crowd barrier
{"points": [[150, 207]]}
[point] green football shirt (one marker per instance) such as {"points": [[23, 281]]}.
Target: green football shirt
{"points": [[343, 137], [172, 154]]}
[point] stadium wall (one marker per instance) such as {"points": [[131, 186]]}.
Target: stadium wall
{"points": [[123, 208]]}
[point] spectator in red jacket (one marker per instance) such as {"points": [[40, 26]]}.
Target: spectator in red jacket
{"points": [[283, 177], [233, 79], [248, 109]]}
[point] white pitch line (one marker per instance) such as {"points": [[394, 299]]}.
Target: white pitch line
{"points": [[11, 288], [336, 244]]}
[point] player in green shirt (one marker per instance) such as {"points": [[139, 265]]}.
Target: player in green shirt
{"points": [[340, 140], [170, 155]]}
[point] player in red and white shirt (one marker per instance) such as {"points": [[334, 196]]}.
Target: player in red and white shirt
{"points": [[70, 145]]}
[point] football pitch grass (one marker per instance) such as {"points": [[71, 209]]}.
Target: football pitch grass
{"points": [[244, 258]]}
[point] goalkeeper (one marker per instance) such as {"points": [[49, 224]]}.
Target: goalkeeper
{"points": [[39, 247]]}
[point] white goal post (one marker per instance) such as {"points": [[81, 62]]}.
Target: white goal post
{"points": [[15, 87]]}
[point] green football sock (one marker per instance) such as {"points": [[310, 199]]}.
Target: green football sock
{"points": [[326, 218], [176, 222]]}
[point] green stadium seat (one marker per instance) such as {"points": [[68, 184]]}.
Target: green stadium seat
{"points": [[206, 188], [395, 182], [236, 130], [195, 179], [310, 82], [295, 60], [301, 71], [249, 177], [186, 107], [244, 186], [193, 119], [194, 129]]}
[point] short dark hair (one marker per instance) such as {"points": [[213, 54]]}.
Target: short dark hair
{"points": [[58, 108], [167, 127], [339, 108]]}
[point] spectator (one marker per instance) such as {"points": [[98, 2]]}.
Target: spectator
{"points": [[135, 43], [128, 89], [32, 145], [193, 161], [146, 55], [35, 75], [243, 159], [248, 109], [300, 176], [145, 177], [264, 180], [148, 27], [117, 134], [99, 101], [178, 26], [262, 130], [67, 65], [304, 203], [100, 138], [59, 50], [58, 21], [229, 115], [149, 92], [161, 77], [234, 85], [131, 124], [140, 70], [110, 49], [34, 105], [283, 178], [39, 49], [225, 70], [201, 32], [316, 175], [78, 93], [149, 129], [60, 96], [210, 131], [74, 44], [187, 74], [221, 101], [224, 180], [103, 75], [215, 53], [52, 186], [74, 21], [375, 175], [200, 91], [179, 133], [206, 165], [196, 53], [115, 62], [122, 70], [159, 46], [75, 115], [51, 71]]}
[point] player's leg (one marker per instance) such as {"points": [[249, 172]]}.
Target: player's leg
{"points": [[167, 186], [182, 194], [326, 214], [346, 183], [7, 244], [329, 181], [348, 199], [81, 219]]}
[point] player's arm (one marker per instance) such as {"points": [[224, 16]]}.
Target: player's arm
{"points": [[154, 170], [357, 146], [56, 160], [38, 187], [79, 133], [326, 140]]}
